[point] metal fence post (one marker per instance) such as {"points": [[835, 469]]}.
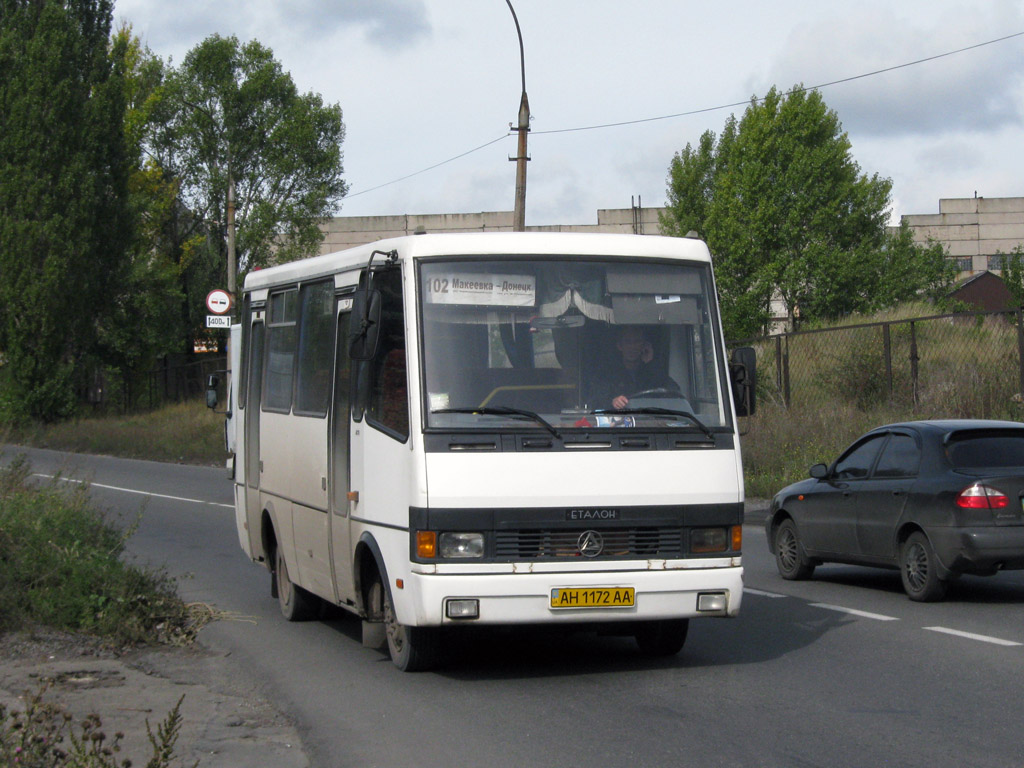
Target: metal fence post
{"points": [[913, 363], [785, 376], [1020, 347], [778, 362], [887, 347]]}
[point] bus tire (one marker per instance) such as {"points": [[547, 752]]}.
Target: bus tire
{"points": [[296, 603], [412, 649], [665, 637]]}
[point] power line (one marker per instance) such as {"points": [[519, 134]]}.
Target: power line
{"points": [[430, 168], [694, 111], [794, 90]]}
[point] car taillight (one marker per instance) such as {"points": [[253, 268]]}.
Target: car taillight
{"points": [[980, 496]]}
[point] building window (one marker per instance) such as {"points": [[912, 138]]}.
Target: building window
{"points": [[964, 263], [995, 263]]}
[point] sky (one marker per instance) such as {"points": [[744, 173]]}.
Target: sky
{"points": [[429, 88]]}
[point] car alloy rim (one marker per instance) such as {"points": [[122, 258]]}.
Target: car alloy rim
{"points": [[916, 566], [787, 549]]}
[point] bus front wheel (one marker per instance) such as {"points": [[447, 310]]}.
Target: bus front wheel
{"points": [[412, 649]]}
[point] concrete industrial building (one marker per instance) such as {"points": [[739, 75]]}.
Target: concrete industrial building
{"points": [[975, 231], [349, 231]]}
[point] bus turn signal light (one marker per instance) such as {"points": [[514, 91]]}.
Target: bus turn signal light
{"points": [[426, 544]]}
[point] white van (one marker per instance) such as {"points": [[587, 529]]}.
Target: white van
{"points": [[440, 431]]}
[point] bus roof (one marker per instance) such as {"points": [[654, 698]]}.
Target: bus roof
{"points": [[484, 244]]}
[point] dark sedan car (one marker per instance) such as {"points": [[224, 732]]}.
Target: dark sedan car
{"points": [[935, 499]]}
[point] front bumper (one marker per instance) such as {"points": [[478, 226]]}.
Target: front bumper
{"points": [[524, 598]]}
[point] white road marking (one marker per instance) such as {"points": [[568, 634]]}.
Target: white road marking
{"points": [[972, 636], [758, 592], [854, 612], [132, 490]]}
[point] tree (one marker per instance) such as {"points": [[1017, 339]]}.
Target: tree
{"points": [[146, 322], [789, 215], [231, 117], [1013, 275], [64, 226]]}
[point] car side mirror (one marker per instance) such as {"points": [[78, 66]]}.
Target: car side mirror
{"points": [[743, 376], [212, 382], [819, 471]]}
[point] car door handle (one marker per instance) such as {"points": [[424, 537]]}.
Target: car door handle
{"points": [[898, 493]]}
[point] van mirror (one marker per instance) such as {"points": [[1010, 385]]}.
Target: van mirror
{"points": [[743, 376], [212, 382], [365, 334]]}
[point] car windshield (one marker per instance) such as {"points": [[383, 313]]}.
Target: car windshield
{"points": [[986, 451], [570, 343]]}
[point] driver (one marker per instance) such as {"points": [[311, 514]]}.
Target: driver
{"points": [[634, 372]]}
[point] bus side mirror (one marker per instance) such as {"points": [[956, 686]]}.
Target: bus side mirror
{"points": [[365, 333], [743, 376], [212, 381]]}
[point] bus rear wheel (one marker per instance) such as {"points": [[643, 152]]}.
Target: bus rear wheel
{"points": [[296, 603], [665, 637], [412, 649]]}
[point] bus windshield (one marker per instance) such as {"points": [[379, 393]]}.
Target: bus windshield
{"points": [[579, 343]]}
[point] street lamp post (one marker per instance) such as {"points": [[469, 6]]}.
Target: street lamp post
{"points": [[521, 158]]}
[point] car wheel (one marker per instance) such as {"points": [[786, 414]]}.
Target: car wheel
{"points": [[919, 569], [792, 563], [665, 637], [412, 649], [296, 603]]}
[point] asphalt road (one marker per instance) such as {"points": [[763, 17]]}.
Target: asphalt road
{"points": [[841, 670]]}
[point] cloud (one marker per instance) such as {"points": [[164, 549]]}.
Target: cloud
{"points": [[386, 23], [181, 25], [977, 90]]}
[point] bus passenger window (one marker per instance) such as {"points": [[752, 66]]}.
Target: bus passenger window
{"points": [[316, 348], [278, 372]]}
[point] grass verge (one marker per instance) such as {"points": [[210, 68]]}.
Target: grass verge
{"points": [[188, 433]]}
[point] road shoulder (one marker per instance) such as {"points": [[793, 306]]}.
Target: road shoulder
{"points": [[225, 722]]}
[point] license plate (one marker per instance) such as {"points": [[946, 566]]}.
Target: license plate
{"points": [[593, 597]]}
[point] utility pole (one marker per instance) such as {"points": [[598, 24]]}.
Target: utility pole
{"points": [[521, 158], [232, 270]]}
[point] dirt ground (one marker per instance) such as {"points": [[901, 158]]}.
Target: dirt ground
{"points": [[226, 724]]}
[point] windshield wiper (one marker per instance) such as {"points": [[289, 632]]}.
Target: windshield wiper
{"points": [[503, 411], [651, 410]]}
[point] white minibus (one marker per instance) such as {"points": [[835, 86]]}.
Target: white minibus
{"points": [[449, 430]]}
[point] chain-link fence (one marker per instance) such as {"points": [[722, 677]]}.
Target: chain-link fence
{"points": [[964, 365], [182, 381]]}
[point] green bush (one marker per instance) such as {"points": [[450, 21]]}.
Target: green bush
{"points": [[61, 566]]}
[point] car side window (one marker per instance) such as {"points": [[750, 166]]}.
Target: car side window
{"points": [[900, 458], [856, 463]]}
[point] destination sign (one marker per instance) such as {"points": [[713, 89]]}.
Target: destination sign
{"points": [[482, 290]]}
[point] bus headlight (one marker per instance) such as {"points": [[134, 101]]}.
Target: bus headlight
{"points": [[706, 540], [460, 545]]}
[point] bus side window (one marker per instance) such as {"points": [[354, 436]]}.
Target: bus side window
{"points": [[382, 386], [316, 348]]}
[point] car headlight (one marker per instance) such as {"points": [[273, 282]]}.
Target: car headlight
{"points": [[460, 545]]}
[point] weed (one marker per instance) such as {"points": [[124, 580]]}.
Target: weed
{"points": [[45, 735]]}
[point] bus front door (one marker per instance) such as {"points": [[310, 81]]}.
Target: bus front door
{"points": [[340, 463]]}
